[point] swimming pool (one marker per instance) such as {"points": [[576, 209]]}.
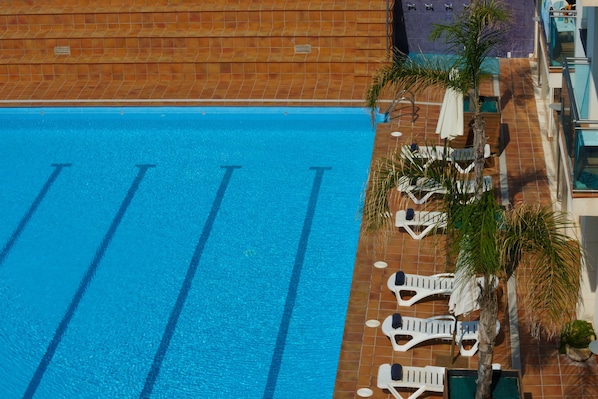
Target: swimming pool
{"points": [[177, 252]]}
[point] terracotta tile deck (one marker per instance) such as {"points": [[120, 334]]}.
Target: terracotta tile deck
{"points": [[545, 373], [209, 92]]}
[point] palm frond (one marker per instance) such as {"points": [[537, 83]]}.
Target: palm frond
{"points": [[537, 237], [415, 74], [382, 181]]}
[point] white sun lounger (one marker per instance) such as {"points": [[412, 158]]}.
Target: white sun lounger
{"points": [[426, 220], [421, 379], [456, 156], [412, 288], [468, 186], [427, 154], [429, 187], [407, 332], [422, 185], [466, 156]]}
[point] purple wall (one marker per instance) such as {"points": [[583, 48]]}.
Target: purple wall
{"points": [[413, 26]]}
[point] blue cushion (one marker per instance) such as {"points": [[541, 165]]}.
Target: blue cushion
{"points": [[396, 372], [397, 320], [410, 214], [413, 146], [399, 278]]}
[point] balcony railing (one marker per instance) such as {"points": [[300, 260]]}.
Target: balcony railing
{"points": [[560, 35], [579, 131]]}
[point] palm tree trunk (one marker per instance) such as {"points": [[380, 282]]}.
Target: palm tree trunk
{"points": [[479, 142], [487, 336]]}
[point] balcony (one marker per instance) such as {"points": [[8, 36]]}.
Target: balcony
{"points": [[560, 31], [580, 132]]}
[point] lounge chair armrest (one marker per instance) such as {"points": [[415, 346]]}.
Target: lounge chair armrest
{"points": [[444, 275], [444, 317]]}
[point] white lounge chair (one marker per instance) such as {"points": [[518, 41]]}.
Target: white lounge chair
{"points": [[408, 332], [428, 220], [421, 185], [455, 156], [429, 187], [421, 379], [467, 157], [412, 288], [427, 154], [468, 186]]}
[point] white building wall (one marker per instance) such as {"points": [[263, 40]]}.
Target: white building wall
{"points": [[585, 211], [588, 310]]}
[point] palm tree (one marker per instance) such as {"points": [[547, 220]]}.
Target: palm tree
{"points": [[498, 243], [473, 36], [494, 243]]}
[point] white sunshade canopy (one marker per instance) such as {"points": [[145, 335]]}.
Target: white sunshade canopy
{"points": [[450, 120]]}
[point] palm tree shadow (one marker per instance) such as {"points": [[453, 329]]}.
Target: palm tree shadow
{"points": [[518, 180], [505, 98], [505, 136]]}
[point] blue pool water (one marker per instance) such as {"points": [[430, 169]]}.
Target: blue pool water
{"points": [[177, 252]]}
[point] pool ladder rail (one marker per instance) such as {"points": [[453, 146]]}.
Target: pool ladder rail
{"points": [[401, 96]]}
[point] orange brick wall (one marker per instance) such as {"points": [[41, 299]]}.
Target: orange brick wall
{"points": [[166, 40]]}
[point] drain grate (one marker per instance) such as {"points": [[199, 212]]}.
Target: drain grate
{"points": [[303, 48], [62, 50]]}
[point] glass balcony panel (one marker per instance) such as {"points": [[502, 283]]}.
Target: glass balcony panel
{"points": [[586, 160], [562, 27], [579, 132]]}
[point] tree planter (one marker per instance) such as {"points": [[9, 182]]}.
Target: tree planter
{"points": [[461, 384], [576, 337], [491, 112], [578, 354]]}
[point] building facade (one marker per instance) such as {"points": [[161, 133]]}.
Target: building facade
{"points": [[567, 44]]}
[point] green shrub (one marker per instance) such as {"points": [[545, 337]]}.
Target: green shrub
{"points": [[577, 334]]}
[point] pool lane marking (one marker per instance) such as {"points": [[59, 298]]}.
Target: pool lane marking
{"points": [[40, 196], [66, 319], [186, 287], [293, 285]]}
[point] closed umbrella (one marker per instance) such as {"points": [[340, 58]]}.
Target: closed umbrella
{"points": [[464, 298], [450, 120]]}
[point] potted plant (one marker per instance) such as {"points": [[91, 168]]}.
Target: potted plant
{"points": [[576, 336]]}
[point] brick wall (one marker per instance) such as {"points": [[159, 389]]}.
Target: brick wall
{"points": [[165, 40]]}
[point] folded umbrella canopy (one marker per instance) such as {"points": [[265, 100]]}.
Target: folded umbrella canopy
{"points": [[450, 120], [464, 298]]}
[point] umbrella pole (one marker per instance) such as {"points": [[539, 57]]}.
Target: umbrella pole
{"points": [[454, 342], [444, 153]]}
